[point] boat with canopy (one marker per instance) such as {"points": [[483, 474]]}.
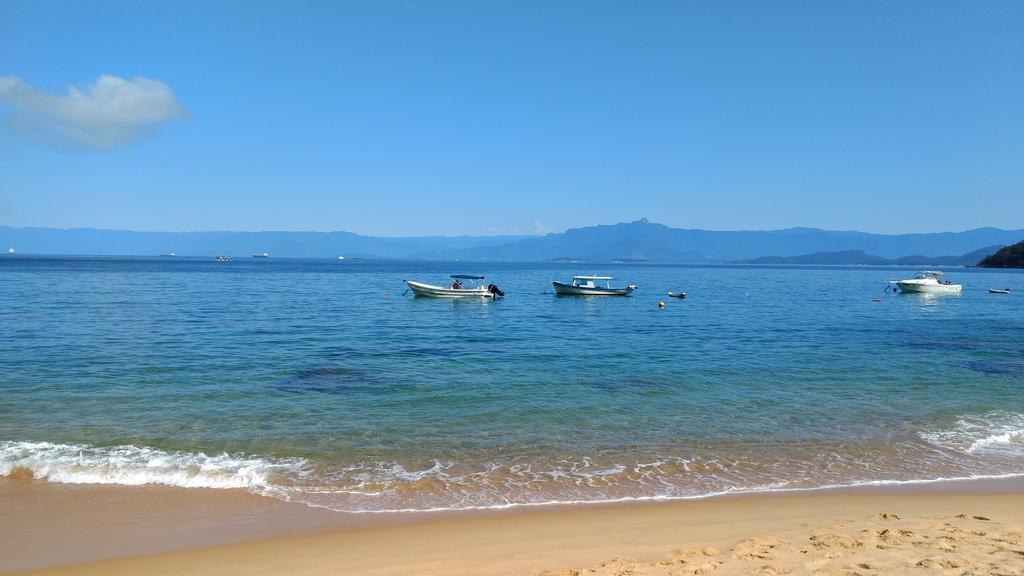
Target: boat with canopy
{"points": [[927, 282], [462, 286], [591, 286]]}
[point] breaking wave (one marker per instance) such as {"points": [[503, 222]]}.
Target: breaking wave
{"points": [[136, 465], [995, 431], [980, 445]]}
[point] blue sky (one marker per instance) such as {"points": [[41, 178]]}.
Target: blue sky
{"points": [[430, 117]]}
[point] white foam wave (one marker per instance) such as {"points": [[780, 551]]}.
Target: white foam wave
{"points": [[433, 485], [996, 430], [776, 487], [137, 465]]}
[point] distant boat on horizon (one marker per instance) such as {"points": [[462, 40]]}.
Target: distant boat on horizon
{"points": [[168, 255], [261, 255], [341, 257], [11, 252], [223, 258]]}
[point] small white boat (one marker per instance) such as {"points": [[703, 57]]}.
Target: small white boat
{"points": [[588, 286], [169, 255], [998, 290], [261, 255], [927, 282], [11, 252], [341, 257], [463, 286], [223, 258]]}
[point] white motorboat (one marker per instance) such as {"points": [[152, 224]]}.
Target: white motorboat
{"points": [[261, 255], [463, 286], [588, 286], [927, 282], [11, 252], [223, 258]]}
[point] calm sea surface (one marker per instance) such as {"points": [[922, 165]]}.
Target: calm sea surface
{"points": [[319, 381]]}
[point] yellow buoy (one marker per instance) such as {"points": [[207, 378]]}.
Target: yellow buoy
{"points": [[661, 304]]}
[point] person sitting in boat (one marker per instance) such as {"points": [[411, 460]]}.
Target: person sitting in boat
{"points": [[456, 285]]}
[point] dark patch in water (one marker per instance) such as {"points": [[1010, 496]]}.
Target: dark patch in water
{"points": [[998, 367], [953, 345], [335, 380]]}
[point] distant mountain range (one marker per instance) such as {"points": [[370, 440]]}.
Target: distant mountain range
{"points": [[639, 241], [862, 258], [287, 244]]}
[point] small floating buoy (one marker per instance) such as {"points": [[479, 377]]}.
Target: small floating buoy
{"points": [[661, 304]]}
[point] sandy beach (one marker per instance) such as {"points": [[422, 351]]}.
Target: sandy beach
{"points": [[952, 528]]}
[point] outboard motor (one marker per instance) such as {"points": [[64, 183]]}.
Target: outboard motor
{"points": [[492, 289]]}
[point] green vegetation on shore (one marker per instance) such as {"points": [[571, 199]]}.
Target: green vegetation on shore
{"points": [[1011, 256]]}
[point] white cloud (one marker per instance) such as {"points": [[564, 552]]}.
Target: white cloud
{"points": [[107, 113]]}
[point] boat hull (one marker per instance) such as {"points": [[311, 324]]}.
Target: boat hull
{"points": [[928, 288], [570, 290], [431, 291]]}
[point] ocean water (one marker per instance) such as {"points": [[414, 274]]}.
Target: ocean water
{"points": [[322, 382]]}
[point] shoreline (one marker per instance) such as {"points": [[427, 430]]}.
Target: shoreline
{"points": [[90, 529]]}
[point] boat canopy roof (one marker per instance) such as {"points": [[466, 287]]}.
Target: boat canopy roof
{"points": [[592, 278], [466, 277], [930, 273]]}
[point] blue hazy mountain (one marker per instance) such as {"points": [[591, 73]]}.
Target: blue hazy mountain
{"points": [[862, 258], [643, 240], [637, 241], [286, 244], [842, 257]]}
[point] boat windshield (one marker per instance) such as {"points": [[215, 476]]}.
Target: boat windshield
{"points": [[465, 280]]}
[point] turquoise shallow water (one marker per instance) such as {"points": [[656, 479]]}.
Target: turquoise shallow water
{"points": [[319, 381]]}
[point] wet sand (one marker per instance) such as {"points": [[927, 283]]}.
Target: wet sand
{"points": [[46, 523], [950, 528]]}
